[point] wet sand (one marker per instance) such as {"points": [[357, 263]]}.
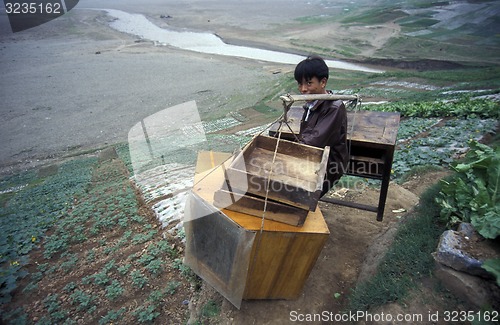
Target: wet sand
{"points": [[74, 83], [87, 88]]}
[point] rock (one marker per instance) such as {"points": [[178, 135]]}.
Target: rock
{"points": [[47, 171], [473, 289], [466, 229], [108, 154], [450, 253]]}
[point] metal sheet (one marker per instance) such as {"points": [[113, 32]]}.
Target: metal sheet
{"points": [[217, 249]]}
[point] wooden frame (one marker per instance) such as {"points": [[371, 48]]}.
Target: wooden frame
{"points": [[295, 176]]}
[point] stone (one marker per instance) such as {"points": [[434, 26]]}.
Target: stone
{"points": [[48, 170], [467, 229], [108, 154], [450, 253], [475, 290]]}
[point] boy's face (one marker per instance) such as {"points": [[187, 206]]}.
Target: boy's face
{"points": [[312, 86]]}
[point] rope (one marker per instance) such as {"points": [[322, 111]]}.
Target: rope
{"points": [[266, 198], [269, 182]]}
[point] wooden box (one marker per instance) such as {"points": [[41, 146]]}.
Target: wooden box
{"points": [[257, 207], [281, 257], [287, 172]]}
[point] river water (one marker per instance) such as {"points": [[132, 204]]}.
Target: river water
{"points": [[139, 25]]}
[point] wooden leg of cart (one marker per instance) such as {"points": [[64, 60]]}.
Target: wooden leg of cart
{"points": [[386, 177]]}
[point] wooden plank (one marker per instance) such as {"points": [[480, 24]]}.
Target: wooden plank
{"points": [[289, 148], [280, 191], [281, 272], [350, 204], [290, 98], [372, 126], [209, 159], [254, 206], [207, 183]]}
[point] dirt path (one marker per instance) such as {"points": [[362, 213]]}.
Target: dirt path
{"points": [[351, 254]]}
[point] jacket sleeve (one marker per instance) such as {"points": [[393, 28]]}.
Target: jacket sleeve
{"points": [[329, 123]]}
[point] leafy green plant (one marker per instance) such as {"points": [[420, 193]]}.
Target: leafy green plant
{"points": [[70, 263], [69, 287], [439, 146], [464, 107], [473, 195], [210, 309], [82, 300], [142, 238], [172, 287], [124, 269], [101, 278], [16, 316], [53, 307], [31, 206], [138, 279], [114, 290], [155, 266], [146, 314], [112, 316]]}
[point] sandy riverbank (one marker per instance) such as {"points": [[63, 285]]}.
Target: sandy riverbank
{"points": [[74, 83]]}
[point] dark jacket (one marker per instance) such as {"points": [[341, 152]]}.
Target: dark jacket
{"points": [[326, 125]]}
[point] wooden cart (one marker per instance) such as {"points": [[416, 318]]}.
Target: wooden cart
{"points": [[281, 256]]}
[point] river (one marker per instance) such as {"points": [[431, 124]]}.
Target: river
{"points": [[139, 25]]}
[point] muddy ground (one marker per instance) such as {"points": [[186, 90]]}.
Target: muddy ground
{"points": [[74, 85], [354, 248]]}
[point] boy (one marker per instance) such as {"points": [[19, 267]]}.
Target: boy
{"points": [[324, 122]]}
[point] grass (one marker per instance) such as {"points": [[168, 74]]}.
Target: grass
{"points": [[434, 85], [408, 259], [408, 262]]}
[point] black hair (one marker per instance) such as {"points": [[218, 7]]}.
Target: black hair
{"points": [[312, 66]]}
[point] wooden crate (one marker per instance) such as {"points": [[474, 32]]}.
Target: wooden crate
{"points": [[254, 206], [282, 255], [295, 178]]}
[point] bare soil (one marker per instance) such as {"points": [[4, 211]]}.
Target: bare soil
{"points": [[356, 244]]}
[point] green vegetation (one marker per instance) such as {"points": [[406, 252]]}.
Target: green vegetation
{"points": [[469, 196], [473, 195], [408, 259], [31, 206], [493, 266], [432, 133], [464, 108], [374, 16], [84, 253]]}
